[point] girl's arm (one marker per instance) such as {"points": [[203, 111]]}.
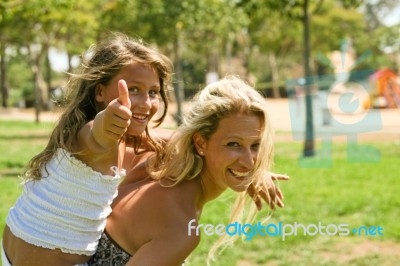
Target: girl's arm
{"points": [[98, 142]]}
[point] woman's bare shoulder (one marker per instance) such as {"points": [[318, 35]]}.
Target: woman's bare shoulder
{"points": [[152, 212], [179, 197], [155, 199]]}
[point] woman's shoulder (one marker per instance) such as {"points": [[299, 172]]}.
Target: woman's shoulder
{"points": [[178, 195], [155, 213], [177, 207], [155, 197]]}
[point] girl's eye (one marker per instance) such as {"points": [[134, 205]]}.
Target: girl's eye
{"points": [[134, 90], [154, 93], [232, 144]]}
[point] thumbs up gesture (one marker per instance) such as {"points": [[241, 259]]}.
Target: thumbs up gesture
{"points": [[117, 117], [123, 94], [111, 124]]}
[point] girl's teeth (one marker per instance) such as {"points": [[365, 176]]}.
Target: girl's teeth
{"points": [[140, 116], [236, 173]]}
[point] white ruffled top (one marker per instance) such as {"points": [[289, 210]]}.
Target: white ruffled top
{"points": [[67, 208]]}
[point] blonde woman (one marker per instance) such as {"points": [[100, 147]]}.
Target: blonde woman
{"points": [[225, 142]]}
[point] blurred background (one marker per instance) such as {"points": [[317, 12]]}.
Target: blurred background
{"points": [[265, 42], [329, 70]]}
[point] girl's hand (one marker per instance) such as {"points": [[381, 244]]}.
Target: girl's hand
{"points": [[117, 115]]}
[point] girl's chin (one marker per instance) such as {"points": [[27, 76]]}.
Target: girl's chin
{"points": [[135, 131]]}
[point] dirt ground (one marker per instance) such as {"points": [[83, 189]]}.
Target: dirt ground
{"points": [[283, 115], [344, 253]]}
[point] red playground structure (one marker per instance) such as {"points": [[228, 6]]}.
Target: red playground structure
{"points": [[385, 90]]}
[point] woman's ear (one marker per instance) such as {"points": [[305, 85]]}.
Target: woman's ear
{"points": [[200, 143], [99, 93]]}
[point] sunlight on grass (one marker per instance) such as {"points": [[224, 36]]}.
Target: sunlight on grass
{"points": [[349, 192]]}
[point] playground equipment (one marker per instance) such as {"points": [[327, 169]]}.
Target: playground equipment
{"points": [[385, 90]]}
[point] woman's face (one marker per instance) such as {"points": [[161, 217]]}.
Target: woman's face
{"points": [[144, 92], [231, 152]]}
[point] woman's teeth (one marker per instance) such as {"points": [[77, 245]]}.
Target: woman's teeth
{"points": [[240, 174]]}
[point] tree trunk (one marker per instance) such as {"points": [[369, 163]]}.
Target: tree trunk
{"points": [[48, 79], [228, 54], [179, 88], [213, 61], [37, 92], [247, 58], [3, 75], [40, 89], [70, 68], [213, 67], [308, 150], [275, 75]]}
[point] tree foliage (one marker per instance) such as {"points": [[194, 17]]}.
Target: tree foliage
{"points": [[197, 35]]}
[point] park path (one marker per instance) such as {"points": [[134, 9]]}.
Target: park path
{"points": [[279, 114]]}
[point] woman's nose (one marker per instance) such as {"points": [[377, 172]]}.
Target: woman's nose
{"points": [[248, 159]]}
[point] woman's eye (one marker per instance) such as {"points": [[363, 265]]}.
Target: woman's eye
{"points": [[232, 144], [255, 146]]}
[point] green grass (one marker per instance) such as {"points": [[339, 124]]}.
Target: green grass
{"points": [[19, 141], [349, 192]]}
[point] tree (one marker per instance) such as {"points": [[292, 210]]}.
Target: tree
{"points": [[303, 10], [376, 11], [175, 26], [202, 26], [154, 21], [3, 75], [271, 35], [79, 28], [6, 24], [33, 27]]}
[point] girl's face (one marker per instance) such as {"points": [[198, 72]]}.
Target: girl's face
{"points": [[144, 92], [231, 152]]}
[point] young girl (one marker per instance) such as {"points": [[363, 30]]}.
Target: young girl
{"points": [[225, 142], [70, 185]]}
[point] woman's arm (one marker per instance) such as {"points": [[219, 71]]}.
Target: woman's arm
{"points": [[170, 249]]}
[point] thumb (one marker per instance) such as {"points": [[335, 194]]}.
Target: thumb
{"points": [[123, 94]]}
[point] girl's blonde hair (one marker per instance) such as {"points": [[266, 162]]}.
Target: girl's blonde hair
{"points": [[180, 161], [99, 65]]}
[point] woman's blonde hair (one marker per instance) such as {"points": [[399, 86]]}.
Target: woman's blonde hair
{"points": [[99, 65], [180, 161]]}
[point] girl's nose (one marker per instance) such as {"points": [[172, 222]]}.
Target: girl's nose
{"points": [[145, 102]]}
